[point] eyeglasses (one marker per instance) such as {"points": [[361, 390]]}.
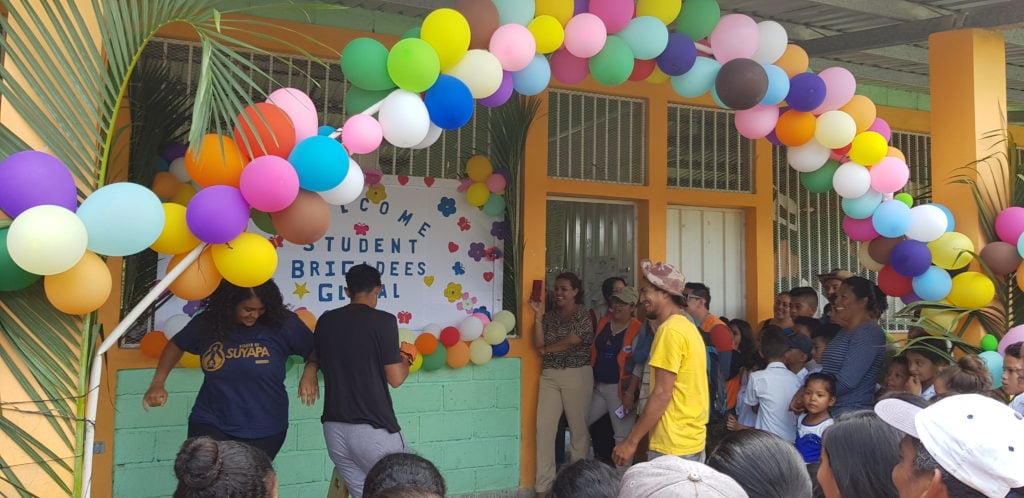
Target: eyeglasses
{"points": [[691, 296]]}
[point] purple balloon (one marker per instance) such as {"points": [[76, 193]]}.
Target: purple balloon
{"points": [[31, 178], [806, 92], [774, 139], [174, 151], [217, 214], [910, 298], [678, 56], [502, 94], [910, 258], [580, 6]]}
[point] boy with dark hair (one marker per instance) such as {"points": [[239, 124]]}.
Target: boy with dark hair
{"points": [[770, 390], [803, 301]]}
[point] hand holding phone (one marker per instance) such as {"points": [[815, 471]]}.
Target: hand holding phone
{"points": [[620, 412], [536, 294]]}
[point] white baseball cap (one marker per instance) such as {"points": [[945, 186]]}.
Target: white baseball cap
{"points": [[674, 477], [977, 439]]}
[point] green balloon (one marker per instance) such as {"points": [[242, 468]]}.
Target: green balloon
{"points": [[495, 206], [989, 343], [262, 221], [614, 63], [698, 18], [905, 198], [365, 63], [820, 180], [435, 360], [413, 65], [12, 277], [412, 33], [358, 100]]}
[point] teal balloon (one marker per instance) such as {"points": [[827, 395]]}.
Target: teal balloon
{"points": [[614, 63], [778, 85], [495, 205], [700, 79], [122, 218], [994, 362], [358, 100], [989, 343], [862, 207], [820, 180], [515, 11], [413, 65], [12, 277], [412, 33], [262, 221], [365, 64], [646, 36], [435, 360], [717, 99], [698, 18]]}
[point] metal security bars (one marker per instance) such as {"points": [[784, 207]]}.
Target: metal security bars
{"points": [[706, 152], [597, 138]]}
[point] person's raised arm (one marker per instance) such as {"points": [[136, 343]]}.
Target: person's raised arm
{"points": [[156, 395], [538, 326]]}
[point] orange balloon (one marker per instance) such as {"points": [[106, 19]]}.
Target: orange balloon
{"points": [[199, 280], [152, 344], [795, 128], [165, 185], [894, 152], [219, 162], [307, 317], [305, 221], [458, 355], [426, 344], [794, 60], [81, 289], [862, 110], [270, 125]]}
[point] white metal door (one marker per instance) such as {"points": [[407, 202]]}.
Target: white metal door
{"points": [[707, 245]]}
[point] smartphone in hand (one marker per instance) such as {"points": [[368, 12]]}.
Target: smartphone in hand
{"points": [[620, 412], [537, 291]]}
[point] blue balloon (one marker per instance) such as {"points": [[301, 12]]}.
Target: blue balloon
{"points": [[161, 164], [778, 85], [122, 219], [933, 285], [325, 131], [806, 92], [950, 220], [994, 362], [646, 36], [864, 206], [698, 80], [891, 219], [449, 102], [911, 258], [679, 56], [533, 78], [501, 349], [321, 163]]}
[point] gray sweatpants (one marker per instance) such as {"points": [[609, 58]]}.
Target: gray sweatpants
{"points": [[355, 448]]}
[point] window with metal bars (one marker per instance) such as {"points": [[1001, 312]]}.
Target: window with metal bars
{"points": [[706, 152], [809, 238], [597, 137]]}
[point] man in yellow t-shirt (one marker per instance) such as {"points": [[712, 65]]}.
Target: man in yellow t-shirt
{"points": [[677, 410]]}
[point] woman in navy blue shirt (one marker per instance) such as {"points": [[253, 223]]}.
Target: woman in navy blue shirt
{"points": [[243, 337]]}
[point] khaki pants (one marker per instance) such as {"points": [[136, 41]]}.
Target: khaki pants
{"points": [[567, 389]]}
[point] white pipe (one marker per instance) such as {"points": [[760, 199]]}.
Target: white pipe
{"points": [[703, 48], [92, 399]]}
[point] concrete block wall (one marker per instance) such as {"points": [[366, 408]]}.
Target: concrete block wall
{"points": [[466, 421]]}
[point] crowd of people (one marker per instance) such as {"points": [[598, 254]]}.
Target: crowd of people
{"points": [[661, 397]]}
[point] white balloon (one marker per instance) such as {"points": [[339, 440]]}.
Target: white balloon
{"points": [[349, 189], [432, 329], [406, 335], [807, 157], [852, 180], [404, 118], [177, 168], [927, 223], [174, 323], [47, 239], [432, 135], [480, 70], [471, 328], [773, 42], [835, 129]]}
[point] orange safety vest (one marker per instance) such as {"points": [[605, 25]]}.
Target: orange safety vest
{"points": [[627, 347]]}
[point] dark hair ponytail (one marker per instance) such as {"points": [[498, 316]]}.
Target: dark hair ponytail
{"points": [[207, 468]]}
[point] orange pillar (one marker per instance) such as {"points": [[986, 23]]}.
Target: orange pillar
{"points": [[968, 96]]}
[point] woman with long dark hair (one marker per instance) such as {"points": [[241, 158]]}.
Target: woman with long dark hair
{"points": [[857, 456], [764, 465], [243, 337]]}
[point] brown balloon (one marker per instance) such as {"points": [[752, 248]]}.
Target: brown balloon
{"points": [[881, 247], [482, 17], [305, 221], [1001, 257], [741, 84]]}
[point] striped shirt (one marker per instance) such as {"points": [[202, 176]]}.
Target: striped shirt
{"points": [[855, 357]]}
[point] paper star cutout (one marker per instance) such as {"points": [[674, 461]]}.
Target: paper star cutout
{"points": [[300, 290]]}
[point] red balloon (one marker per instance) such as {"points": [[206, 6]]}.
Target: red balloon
{"points": [[642, 69], [270, 125], [449, 336], [894, 284]]}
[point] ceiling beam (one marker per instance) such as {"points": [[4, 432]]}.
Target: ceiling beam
{"points": [[1001, 15], [901, 10], [903, 78]]}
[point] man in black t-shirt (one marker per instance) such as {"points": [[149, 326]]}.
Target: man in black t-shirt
{"points": [[357, 350]]}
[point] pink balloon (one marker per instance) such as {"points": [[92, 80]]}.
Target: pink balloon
{"points": [[859, 230], [735, 37], [496, 183], [483, 318], [269, 183], [889, 175], [585, 35], [568, 68], [840, 85], [1010, 224], [1011, 337], [297, 105], [615, 14], [514, 46], [361, 134], [881, 127], [758, 121]]}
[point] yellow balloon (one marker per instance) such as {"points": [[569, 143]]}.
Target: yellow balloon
{"points": [[949, 251], [247, 261], [548, 33], [657, 76], [448, 32], [972, 290], [665, 10], [189, 360], [175, 238], [185, 193], [81, 289], [868, 147], [478, 194], [417, 363], [559, 9], [495, 332], [479, 168], [936, 319], [480, 351]]}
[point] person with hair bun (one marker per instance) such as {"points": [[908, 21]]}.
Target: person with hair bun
{"points": [[207, 468], [968, 375]]}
